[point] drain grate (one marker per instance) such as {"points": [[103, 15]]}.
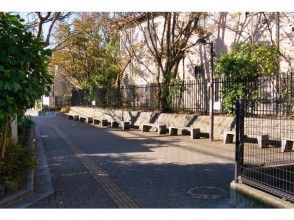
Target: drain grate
{"points": [[206, 192]]}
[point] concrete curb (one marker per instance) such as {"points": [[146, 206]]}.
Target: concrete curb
{"points": [[20, 195], [241, 193], [29, 187], [42, 178]]}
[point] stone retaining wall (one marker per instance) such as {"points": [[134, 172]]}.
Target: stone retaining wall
{"points": [[275, 128], [137, 118]]}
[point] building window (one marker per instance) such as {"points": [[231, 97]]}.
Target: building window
{"points": [[198, 70]]}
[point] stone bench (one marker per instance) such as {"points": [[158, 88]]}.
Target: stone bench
{"points": [[286, 144], [96, 121], [262, 139], [161, 128], [229, 137], [194, 132], [82, 119], [73, 117], [114, 124], [126, 125], [101, 122], [86, 119]]}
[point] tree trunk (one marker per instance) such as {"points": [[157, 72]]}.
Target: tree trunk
{"points": [[165, 104], [170, 74], [6, 133]]}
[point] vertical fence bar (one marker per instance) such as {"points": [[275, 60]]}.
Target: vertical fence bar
{"points": [[239, 146]]}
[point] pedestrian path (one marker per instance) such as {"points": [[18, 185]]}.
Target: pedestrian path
{"points": [[73, 184], [107, 168]]}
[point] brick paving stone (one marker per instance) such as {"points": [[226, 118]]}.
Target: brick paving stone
{"points": [[155, 171], [71, 180]]}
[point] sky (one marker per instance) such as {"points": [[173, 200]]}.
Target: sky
{"points": [[147, 5]]}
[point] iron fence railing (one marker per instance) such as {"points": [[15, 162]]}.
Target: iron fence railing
{"points": [[184, 96], [264, 145], [187, 96]]}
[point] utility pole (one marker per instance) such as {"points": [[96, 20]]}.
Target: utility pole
{"points": [[202, 41]]}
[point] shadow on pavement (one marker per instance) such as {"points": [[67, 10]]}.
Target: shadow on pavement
{"points": [[151, 183]]}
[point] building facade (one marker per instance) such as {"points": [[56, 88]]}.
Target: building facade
{"points": [[140, 39], [227, 29]]}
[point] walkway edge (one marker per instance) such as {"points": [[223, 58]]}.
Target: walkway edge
{"points": [[42, 175], [28, 190], [244, 196], [20, 195]]}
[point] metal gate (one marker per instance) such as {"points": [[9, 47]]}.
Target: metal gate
{"points": [[264, 145]]}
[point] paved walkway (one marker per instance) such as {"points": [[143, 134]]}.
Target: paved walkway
{"points": [[107, 168]]}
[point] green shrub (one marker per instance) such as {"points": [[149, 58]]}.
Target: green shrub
{"points": [[17, 162], [65, 109], [25, 123], [246, 62]]}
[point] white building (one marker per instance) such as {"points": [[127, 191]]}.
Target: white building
{"points": [[227, 29], [224, 29]]}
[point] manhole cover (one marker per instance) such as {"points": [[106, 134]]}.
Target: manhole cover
{"points": [[206, 192]]}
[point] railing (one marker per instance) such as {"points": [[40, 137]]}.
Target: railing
{"points": [[185, 96], [264, 145]]}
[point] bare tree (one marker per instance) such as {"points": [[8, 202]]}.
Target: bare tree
{"points": [[43, 23], [164, 44], [256, 27]]}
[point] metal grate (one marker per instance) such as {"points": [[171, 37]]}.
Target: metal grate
{"points": [[264, 130]]}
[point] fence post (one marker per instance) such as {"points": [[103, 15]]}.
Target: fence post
{"points": [[239, 147], [211, 109], [133, 95]]}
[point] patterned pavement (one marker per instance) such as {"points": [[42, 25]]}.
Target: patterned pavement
{"points": [[94, 167]]}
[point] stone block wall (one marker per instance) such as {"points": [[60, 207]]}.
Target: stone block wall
{"points": [[221, 123]]}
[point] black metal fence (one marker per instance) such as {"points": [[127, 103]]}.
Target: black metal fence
{"points": [[186, 96], [264, 145]]}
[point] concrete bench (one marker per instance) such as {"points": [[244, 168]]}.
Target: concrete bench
{"points": [[125, 125], [194, 132], [82, 119], [73, 117], [96, 121], [229, 137], [104, 122], [86, 119], [262, 139], [286, 144], [161, 128], [89, 120], [101, 122], [114, 124]]}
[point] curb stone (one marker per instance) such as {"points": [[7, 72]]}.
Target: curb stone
{"points": [[29, 185], [42, 176]]}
